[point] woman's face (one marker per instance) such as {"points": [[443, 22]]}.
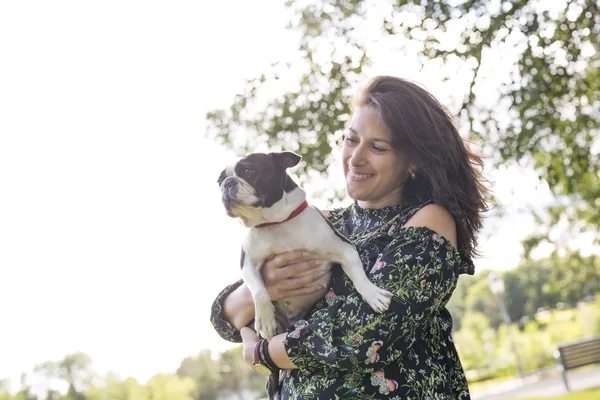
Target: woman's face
{"points": [[374, 171]]}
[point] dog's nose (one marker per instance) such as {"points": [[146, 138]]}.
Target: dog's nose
{"points": [[229, 183]]}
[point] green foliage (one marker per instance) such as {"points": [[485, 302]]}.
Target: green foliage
{"points": [[456, 305], [170, 387], [480, 298], [532, 292], [74, 369], [487, 354], [545, 283], [546, 113], [113, 388], [4, 395], [205, 371], [310, 118], [475, 340], [226, 374], [160, 387]]}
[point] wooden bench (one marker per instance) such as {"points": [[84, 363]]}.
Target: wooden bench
{"points": [[577, 354]]}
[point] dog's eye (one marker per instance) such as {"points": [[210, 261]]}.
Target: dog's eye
{"points": [[248, 173]]}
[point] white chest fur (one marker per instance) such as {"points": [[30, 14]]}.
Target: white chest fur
{"points": [[308, 231], [311, 232]]}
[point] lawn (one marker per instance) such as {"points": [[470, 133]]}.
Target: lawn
{"points": [[592, 394]]}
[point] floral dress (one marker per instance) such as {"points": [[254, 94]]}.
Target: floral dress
{"points": [[343, 349]]}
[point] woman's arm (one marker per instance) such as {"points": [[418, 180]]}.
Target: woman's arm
{"points": [[278, 353], [276, 348], [238, 307]]}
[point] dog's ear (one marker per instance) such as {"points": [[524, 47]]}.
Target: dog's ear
{"points": [[286, 159], [222, 177]]}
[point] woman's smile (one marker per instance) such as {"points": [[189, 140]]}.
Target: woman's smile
{"points": [[359, 177]]}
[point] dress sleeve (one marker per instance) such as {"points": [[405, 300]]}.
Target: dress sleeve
{"points": [[419, 267], [223, 327]]}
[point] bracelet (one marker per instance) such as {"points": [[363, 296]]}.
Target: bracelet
{"points": [[266, 357], [261, 354]]}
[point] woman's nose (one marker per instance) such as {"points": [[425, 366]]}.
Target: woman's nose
{"points": [[358, 156]]}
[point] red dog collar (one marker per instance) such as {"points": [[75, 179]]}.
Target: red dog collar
{"points": [[294, 213]]}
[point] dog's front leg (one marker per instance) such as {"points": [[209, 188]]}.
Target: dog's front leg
{"points": [[379, 299], [264, 320]]}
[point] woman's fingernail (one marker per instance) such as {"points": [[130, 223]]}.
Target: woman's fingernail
{"points": [[316, 263], [305, 254]]}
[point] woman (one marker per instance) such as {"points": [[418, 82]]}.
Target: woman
{"points": [[418, 199]]}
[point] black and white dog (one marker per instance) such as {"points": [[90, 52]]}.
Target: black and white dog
{"points": [[258, 190]]}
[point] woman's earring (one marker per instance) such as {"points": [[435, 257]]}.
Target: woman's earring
{"points": [[411, 173]]}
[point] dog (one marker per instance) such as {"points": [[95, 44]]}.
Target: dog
{"points": [[257, 190]]}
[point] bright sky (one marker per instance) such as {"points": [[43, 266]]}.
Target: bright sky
{"points": [[113, 240]]}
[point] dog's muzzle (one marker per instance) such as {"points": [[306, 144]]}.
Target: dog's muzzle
{"points": [[229, 189]]}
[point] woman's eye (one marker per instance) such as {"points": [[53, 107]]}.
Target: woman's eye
{"points": [[248, 173], [378, 149], [351, 139]]}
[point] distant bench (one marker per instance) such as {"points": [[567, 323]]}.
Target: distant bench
{"points": [[577, 354]]}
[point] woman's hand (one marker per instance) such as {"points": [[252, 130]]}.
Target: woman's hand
{"points": [[292, 274], [249, 337]]}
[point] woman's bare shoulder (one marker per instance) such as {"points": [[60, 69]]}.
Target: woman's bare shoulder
{"points": [[436, 218]]}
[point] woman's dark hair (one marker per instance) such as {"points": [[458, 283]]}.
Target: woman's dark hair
{"points": [[445, 170]]}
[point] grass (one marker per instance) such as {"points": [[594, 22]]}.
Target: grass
{"points": [[591, 394]]}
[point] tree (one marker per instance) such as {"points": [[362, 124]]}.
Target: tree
{"points": [[573, 277], [235, 374], [480, 299], [170, 387], [205, 372], [474, 341], [52, 394], [457, 304], [236, 377], [116, 389], [74, 369], [546, 113], [160, 387], [525, 289], [227, 374], [310, 118], [4, 394], [25, 392]]}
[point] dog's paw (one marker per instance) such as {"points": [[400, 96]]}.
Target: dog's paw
{"points": [[264, 321], [377, 298], [266, 327]]}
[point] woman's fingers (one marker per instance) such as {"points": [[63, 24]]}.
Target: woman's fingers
{"points": [[292, 274], [302, 291], [285, 265], [298, 286], [301, 281], [283, 259], [300, 268]]}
